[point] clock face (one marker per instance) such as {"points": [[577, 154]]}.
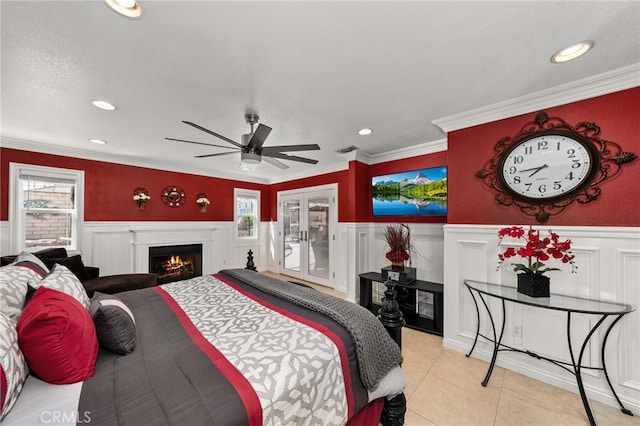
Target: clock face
{"points": [[548, 165]]}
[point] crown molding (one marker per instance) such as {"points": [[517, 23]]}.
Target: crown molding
{"points": [[7, 142], [408, 152], [598, 85], [316, 171], [396, 154]]}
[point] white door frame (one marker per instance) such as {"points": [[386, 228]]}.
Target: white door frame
{"points": [[332, 189]]}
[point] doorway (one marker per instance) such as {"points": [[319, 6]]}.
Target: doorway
{"points": [[306, 221]]}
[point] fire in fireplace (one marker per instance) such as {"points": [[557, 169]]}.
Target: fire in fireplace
{"points": [[175, 263]]}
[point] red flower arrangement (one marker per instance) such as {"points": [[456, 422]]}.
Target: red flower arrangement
{"points": [[399, 246], [398, 256], [536, 251]]}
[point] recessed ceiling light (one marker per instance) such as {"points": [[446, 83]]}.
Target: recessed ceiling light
{"points": [[98, 141], [128, 8], [103, 105], [365, 131], [572, 52], [244, 167]]}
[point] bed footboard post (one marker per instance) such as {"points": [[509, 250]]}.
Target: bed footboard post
{"points": [[390, 314], [394, 411]]}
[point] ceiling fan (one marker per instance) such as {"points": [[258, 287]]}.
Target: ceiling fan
{"points": [[251, 149]]}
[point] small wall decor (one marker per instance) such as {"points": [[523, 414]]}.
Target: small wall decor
{"points": [[202, 201], [549, 164], [173, 196], [141, 196]]}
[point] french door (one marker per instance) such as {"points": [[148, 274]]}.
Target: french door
{"points": [[306, 221]]}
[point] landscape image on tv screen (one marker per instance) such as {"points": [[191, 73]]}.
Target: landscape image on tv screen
{"points": [[414, 193]]}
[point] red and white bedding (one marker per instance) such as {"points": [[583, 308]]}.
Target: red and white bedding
{"points": [[214, 350]]}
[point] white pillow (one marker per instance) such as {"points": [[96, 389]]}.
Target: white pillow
{"points": [[30, 257], [62, 279], [14, 279], [13, 366]]}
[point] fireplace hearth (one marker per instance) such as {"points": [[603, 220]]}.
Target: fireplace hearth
{"points": [[175, 263]]}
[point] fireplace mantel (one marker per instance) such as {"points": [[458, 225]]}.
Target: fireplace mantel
{"points": [[143, 238]]}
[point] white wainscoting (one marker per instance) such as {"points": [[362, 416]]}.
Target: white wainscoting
{"points": [[4, 238], [119, 247], [361, 248], [608, 260], [122, 247]]}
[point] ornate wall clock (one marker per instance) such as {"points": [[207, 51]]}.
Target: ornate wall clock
{"points": [[550, 164], [173, 196]]}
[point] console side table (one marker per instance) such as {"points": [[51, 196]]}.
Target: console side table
{"points": [[568, 304]]}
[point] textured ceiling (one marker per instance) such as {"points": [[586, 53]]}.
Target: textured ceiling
{"points": [[315, 72]]}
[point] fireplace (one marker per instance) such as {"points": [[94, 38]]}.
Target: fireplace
{"points": [[175, 263]]}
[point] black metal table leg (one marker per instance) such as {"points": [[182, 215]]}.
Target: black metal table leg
{"points": [[604, 366], [496, 340], [475, 302]]}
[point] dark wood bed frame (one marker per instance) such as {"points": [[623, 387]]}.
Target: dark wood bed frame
{"points": [[392, 319]]}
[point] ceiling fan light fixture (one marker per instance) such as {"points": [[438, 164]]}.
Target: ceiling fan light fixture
{"points": [[128, 8], [572, 52], [250, 157]]}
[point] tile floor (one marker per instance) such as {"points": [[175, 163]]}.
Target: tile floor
{"points": [[444, 389]]}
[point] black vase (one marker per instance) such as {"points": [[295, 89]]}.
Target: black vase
{"points": [[533, 285]]}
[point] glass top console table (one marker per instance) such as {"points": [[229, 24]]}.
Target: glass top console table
{"points": [[570, 305]]}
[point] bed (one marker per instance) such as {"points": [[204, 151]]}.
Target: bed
{"points": [[234, 348]]}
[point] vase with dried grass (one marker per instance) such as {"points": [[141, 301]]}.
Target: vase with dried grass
{"points": [[397, 237]]}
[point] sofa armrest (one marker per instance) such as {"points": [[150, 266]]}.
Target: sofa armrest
{"points": [[93, 271], [118, 283]]}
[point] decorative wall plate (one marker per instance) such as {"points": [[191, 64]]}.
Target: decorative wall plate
{"points": [[173, 196]]}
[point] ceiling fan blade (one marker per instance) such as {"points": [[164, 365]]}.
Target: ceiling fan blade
{"points": [[213, 155], [214, 134], [201, 143], [290, 157], [259, 136], [275, 162], [284, 148]]}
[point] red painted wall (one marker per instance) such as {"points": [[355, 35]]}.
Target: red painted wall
{"points": [[341, 178], [109, 190], [354, 188], [617, 115], [109, 186]]}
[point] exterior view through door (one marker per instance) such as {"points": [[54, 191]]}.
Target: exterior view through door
{"points": [[307, 220]]}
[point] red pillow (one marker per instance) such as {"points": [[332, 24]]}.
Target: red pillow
{"points": [[58, 338]]}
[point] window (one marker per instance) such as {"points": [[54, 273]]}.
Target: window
{"points": [[246, 213], [46, 207]]}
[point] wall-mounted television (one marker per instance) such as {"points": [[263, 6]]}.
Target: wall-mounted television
{"points": [[414, 193]]}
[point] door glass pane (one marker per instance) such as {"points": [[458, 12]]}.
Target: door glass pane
{"points": [[318, 220], [291, 218]]}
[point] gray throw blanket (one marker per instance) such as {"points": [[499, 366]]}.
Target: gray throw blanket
{"points": [[377, 352]]}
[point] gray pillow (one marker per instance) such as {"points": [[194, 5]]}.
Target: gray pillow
{"points": [[115, 323]]}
